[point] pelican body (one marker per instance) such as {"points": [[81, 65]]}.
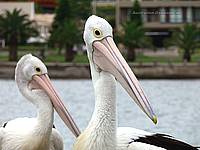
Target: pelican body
{"points": [[108, 65], [36, 133]]}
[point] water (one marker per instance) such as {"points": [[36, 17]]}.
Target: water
{"points": [[176, 103]]}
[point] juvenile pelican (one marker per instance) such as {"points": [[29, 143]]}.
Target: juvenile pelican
{"points": [[36, 133], [107, 65]]}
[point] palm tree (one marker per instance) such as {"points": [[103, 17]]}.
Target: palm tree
{"points": [[134, 37], [134, 33], [16, 28], [186, 38], [135, 14]]}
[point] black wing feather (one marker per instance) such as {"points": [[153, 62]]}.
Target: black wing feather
{"points": [[54, 126], [165, 141], [4, 125]]}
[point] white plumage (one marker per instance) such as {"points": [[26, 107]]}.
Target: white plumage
{"points": [[35, 133], [18, 134], [107, 65]]}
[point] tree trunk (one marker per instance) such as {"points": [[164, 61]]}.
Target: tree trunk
{"points": [[13, 52], [187, 56], [42, 53], [131, 55], [69, 53], [59, 49]]}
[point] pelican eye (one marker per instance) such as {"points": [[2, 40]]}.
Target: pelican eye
{"points": [[37, 69], [97, 33]]}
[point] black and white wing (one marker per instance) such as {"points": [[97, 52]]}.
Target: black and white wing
{"points": [[134, 139]]}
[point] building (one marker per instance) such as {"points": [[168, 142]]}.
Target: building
{"points": [[26, 7], [159, 16], [47, 5], [43, 21], [164, 14]]}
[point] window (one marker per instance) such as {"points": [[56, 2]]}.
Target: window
{"points": [[196, 14], [162, 15], [176, 15]]}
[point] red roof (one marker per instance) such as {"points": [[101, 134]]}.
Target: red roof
{"points": [[46, 3]]}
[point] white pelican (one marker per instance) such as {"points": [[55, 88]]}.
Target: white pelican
{"points": [[106, 64], [35, 133]]}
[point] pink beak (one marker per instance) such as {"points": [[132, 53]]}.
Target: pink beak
{"points": [[108, 58], [44, 82]]}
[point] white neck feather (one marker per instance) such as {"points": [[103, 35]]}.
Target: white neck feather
{"points": [[103, 120], [101, 131], [44, 107], [45, 116], [105, 97]]}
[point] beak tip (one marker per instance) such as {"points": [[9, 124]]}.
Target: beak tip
{"points": [[155, 120]]}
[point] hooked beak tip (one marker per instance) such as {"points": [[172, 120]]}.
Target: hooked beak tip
{"points": [[155, 120]]}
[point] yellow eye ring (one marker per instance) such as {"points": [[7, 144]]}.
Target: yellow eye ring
{"points": [[37, 69], [97, 33]]}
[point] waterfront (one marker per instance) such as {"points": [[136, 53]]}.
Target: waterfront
{"points": [[176, 103]]}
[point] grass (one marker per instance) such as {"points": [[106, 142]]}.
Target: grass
{"points": [[196, 57], [55, 58], [164, 59], [82, 58], [3, 58], [147, 59], [79, 58]]}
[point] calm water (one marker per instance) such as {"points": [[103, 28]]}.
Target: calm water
{"points": [[176, 102]]}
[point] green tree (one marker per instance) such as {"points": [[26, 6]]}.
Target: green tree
{"points": [[134, 33], [133, 38], [107, 12], [81, 8], [66, 36], [70, 9], [63, 12], [186, 38], [65, 31], [135, 14], [16, 28]]}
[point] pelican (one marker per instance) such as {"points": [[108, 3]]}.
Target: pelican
{"points": [[107, 65], [36, 133]]}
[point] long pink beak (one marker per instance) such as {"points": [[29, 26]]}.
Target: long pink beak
{"points": [[45, 83], [108, 58]]}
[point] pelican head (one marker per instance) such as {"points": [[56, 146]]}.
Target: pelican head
{"points": [[33, 82], [104, 55]]}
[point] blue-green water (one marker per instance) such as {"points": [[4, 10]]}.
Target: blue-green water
{"points": [[176, 103]]}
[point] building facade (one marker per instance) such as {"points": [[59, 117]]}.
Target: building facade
{"points": [[163, 13], [43, 22], [47, 6], [159, 16], [26, 7]]}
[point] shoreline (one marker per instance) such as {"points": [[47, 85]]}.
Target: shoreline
{"points": [[141, 70]]}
